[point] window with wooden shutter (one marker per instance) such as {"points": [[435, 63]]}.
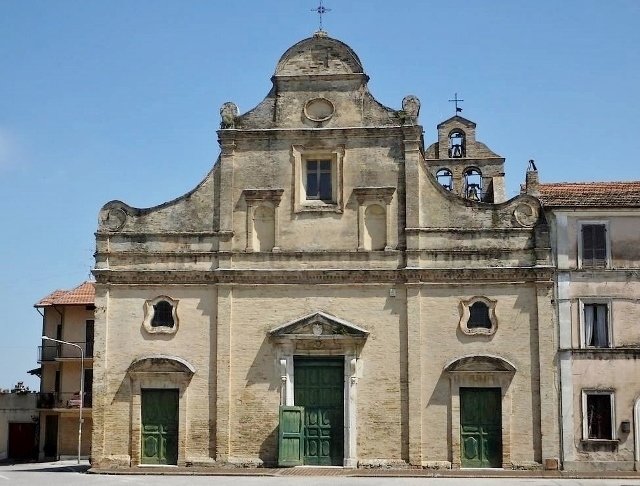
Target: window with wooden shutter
{"points": [[594, 246]]}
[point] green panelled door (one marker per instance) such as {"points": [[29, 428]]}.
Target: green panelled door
{"points": [[290, 436], [480, 427], [159, 426], [319, 388]]}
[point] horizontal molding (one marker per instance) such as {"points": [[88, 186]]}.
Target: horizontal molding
{"points": [[471, 276]]}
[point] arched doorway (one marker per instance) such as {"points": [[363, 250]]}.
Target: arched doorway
{"points": [[159, 409], [480, 411]]}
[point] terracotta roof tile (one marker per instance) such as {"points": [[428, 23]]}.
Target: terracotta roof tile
{"points": [[591, 194], [83, 294]]}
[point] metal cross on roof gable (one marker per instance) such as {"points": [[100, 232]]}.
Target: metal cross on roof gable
{"points": [[456, 100], [321, 9]]}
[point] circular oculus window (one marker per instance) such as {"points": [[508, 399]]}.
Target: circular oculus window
{"points": [[319, 109]]}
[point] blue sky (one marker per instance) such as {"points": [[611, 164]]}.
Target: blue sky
{"points": [[119, 99]]}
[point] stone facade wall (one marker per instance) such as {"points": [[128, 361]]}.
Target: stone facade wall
{"points": [[393, 314]]}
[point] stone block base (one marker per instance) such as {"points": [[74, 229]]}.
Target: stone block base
{"points": [[383, 464]]}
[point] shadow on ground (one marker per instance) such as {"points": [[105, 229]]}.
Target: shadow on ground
{"points": [[81, 468]]}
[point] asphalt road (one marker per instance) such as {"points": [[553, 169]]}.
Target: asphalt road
{"points": [[69, 474]]}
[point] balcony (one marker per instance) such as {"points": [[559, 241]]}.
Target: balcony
{"points": [[57, 400], [56, 352]]}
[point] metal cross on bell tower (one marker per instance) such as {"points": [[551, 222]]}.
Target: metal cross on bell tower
{"points": [[456, 100], [321, 10]]}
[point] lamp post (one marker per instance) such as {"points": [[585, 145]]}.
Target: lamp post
{"points": [[45, 338]]}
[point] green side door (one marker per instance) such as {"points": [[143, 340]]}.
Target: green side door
{"points": [[159, 426], [319, 388], [290, 436], [480, 427]]}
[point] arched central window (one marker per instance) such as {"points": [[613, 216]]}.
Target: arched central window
{"points": [[457, 145]]}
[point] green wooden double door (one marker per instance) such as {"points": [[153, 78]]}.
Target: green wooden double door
{"points": [[480, 427], [312, 431], [159, 426]]}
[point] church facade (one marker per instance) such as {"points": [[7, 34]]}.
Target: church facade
{"points": [[334, 292]]}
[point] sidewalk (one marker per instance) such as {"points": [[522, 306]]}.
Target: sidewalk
{"points": [[370, 472]]}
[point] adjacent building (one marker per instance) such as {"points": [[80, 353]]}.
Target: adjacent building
{"points": [[18, 424], [334, 292], [68, 315], [595, 230]]}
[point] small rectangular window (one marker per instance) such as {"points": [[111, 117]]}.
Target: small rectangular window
{"points": [[594, 246], [596, 325], [319, 180], [598, 415]]}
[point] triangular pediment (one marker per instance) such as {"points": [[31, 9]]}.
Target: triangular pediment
{"points": [[319, 325], [457, 119]]}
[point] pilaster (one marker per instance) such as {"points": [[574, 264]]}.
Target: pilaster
{"points": [[414, 372], [413, 184], [547, 365], [227, 149], [223, 368], [100, 386]]}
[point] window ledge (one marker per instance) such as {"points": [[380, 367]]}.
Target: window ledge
{"points": [[600, 441], [310, 207], [620, 350], [161, 330], [478, 331]]}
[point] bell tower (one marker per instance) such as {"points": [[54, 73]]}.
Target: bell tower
{"points": [[465, 166]]}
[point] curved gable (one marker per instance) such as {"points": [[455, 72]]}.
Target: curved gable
{"points": [[319, 55]]}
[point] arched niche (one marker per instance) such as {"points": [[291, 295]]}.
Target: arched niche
{"points": [[375, 225], [263, 228]]}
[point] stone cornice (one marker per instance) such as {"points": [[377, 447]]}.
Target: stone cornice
{"points": [[364, 193], [254, 195], [273, 277], [330, 133], [470, 230], [146, 234], [320, 77]]}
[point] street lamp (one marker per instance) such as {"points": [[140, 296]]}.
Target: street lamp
{"points": [[45, 338]]}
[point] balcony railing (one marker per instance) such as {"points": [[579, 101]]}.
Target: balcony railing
{"points": [[53, 351], [63, 400]]}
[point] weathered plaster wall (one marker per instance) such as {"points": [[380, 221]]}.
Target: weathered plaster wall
{"points": [[14, 407]]}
